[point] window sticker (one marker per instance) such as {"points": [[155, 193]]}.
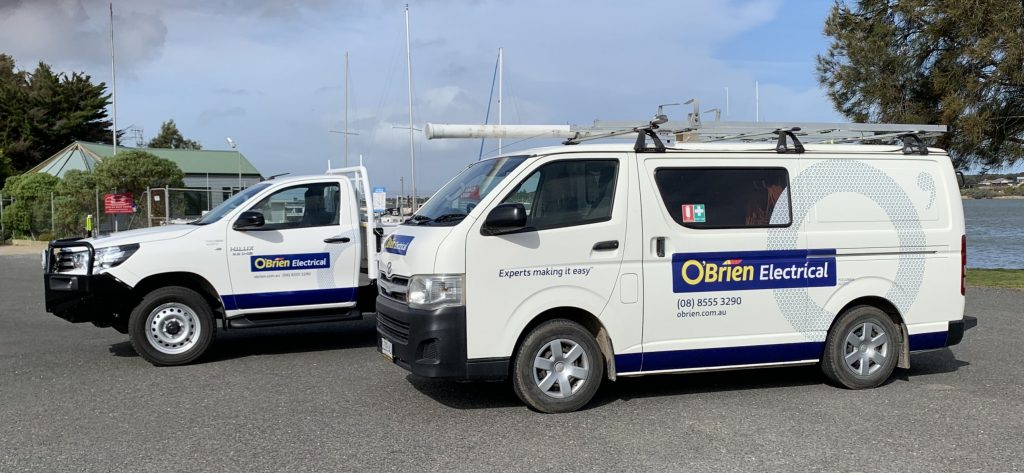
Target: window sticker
{"points": [[693, 213]]}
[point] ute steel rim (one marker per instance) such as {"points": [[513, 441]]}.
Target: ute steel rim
{"points": [[560, 368], [172, 328], [866, 349]]}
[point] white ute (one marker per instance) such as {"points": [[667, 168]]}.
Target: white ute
{"points": [[284, 251], [559, 267]]}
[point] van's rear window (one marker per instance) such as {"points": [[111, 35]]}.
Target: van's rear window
{"points": [[726, 197]]}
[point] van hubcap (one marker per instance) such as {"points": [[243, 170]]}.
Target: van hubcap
{"points": [[172, 328], [867, 349], [560, 368]]}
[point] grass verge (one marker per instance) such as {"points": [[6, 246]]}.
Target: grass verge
{"points": [[1007, 278]]}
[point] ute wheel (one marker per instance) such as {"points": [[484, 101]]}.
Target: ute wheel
{"points": [[862, 348], [558, 367], [171, 326]]}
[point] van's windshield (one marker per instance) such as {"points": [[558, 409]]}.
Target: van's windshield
{"points": [[457, 198], [232, 203]]}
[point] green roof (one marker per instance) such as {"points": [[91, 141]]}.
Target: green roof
{"points": [[84, 156]]}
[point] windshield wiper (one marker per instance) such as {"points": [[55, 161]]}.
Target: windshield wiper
{"points": [[449, 217], [419, 219]]}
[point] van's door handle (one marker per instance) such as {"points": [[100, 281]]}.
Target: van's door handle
{"points": [[660, 246], [337, 240], [606, 245]]}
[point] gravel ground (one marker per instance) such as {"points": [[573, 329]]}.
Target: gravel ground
{"points": [[319, 398]]}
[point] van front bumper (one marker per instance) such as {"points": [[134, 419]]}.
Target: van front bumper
{"points": [[432, 343]]}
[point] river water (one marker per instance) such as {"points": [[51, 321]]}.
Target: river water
{"points": [[995, 233]]}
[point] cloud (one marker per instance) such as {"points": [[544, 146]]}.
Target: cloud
{"points": [[76, 33], [217, 114]]}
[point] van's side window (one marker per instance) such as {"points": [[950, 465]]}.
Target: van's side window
{"points": [[726, 197], [566, 193], [308, 205]]}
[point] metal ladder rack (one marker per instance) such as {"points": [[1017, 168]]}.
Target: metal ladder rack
{"points": [[694, 130]]}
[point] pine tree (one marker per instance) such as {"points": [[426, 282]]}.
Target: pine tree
{"points": [[933, 61]]}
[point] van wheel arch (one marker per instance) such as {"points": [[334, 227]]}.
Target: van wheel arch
{"points": [[582, 317], [191, 281], [886, 306]]}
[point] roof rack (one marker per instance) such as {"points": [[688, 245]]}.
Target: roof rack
{"points": [[912, 136]]}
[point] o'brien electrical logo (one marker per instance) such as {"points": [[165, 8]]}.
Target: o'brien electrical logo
{"points": [[290, 262], [773, 269], [398, 244]]}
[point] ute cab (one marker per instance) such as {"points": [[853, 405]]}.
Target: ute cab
{"points": [[284, 251], [560, 267]]}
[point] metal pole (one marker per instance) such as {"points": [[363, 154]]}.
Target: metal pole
{"points": [[53, 223], [412, 152], [757, 102], [149, 207], [113, 79], [167, 205], [501, 77], [346, 108], [98, 221], [401, 197], [726, 102], [3, 236]]}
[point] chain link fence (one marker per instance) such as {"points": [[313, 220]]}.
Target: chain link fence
{"points": [[60, 215]]}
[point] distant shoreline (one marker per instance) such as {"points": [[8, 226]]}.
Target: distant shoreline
{"points": [[998, 197]]}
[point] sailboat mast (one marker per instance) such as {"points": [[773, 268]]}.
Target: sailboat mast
{"points": [[113, 79], [501, 77], [346, 108], [412, 152]]}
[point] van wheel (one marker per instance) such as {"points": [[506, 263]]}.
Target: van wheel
{"points": [[862, 348], [558, 367], [171, 326]]}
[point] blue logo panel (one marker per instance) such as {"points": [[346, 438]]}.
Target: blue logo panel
{"points": [[751, 270], [293, 262], [398, 244]]}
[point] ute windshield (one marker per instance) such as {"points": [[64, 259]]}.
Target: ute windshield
{"points": [[457, 198], [232, 203]]}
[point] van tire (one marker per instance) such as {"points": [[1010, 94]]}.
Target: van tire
{"points": [[539, 346], [172, 325], [855, 361]]}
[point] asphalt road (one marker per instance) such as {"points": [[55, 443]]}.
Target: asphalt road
{"points": [[319, 398]]}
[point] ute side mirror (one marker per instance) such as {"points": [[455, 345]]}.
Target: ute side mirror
{"points": [[249, 220], [505, 218], [960, 181]]}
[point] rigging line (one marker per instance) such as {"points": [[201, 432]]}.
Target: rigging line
{"points": [[519, 141], [389, 79], [490, 98], [515, 101]]}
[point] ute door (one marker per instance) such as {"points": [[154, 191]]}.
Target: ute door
{"points": [[712, 232], [305, 255]]}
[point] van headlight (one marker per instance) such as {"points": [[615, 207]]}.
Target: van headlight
{"points": [[113, 255], [433, 291]]}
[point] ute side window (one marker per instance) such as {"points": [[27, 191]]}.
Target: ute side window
{"points": [[567, 193], [746, 197], [308, 205]]}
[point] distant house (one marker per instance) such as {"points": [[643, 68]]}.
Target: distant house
{"points": [[1001, 182], [1020, 180], [219, 172]]}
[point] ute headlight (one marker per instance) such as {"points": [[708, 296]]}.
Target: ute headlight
{"points": [[435, 291], [112, 256]]}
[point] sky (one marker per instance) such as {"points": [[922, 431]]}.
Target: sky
{"points": [[270, 74]]}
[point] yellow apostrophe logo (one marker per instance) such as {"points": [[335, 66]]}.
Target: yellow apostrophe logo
{"points": [[730, 270], [266, 263]]}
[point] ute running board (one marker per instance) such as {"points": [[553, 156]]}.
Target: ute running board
{"points": [[275, 319]]}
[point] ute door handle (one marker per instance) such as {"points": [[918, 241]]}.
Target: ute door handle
{"points": [[659, 244], [606, 245], [337, 240]]}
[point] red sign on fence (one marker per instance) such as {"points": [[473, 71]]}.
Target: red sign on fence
{"points": [[118, 204]]}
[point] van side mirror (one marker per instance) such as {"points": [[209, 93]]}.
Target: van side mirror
{"points": [[249, 220], [505, 218]]}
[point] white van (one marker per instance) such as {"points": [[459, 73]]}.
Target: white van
{"points": [[284, 251], [562, 266]]}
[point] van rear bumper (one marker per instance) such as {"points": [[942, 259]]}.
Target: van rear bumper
{"points": [[957, 328], [432, 343]]}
